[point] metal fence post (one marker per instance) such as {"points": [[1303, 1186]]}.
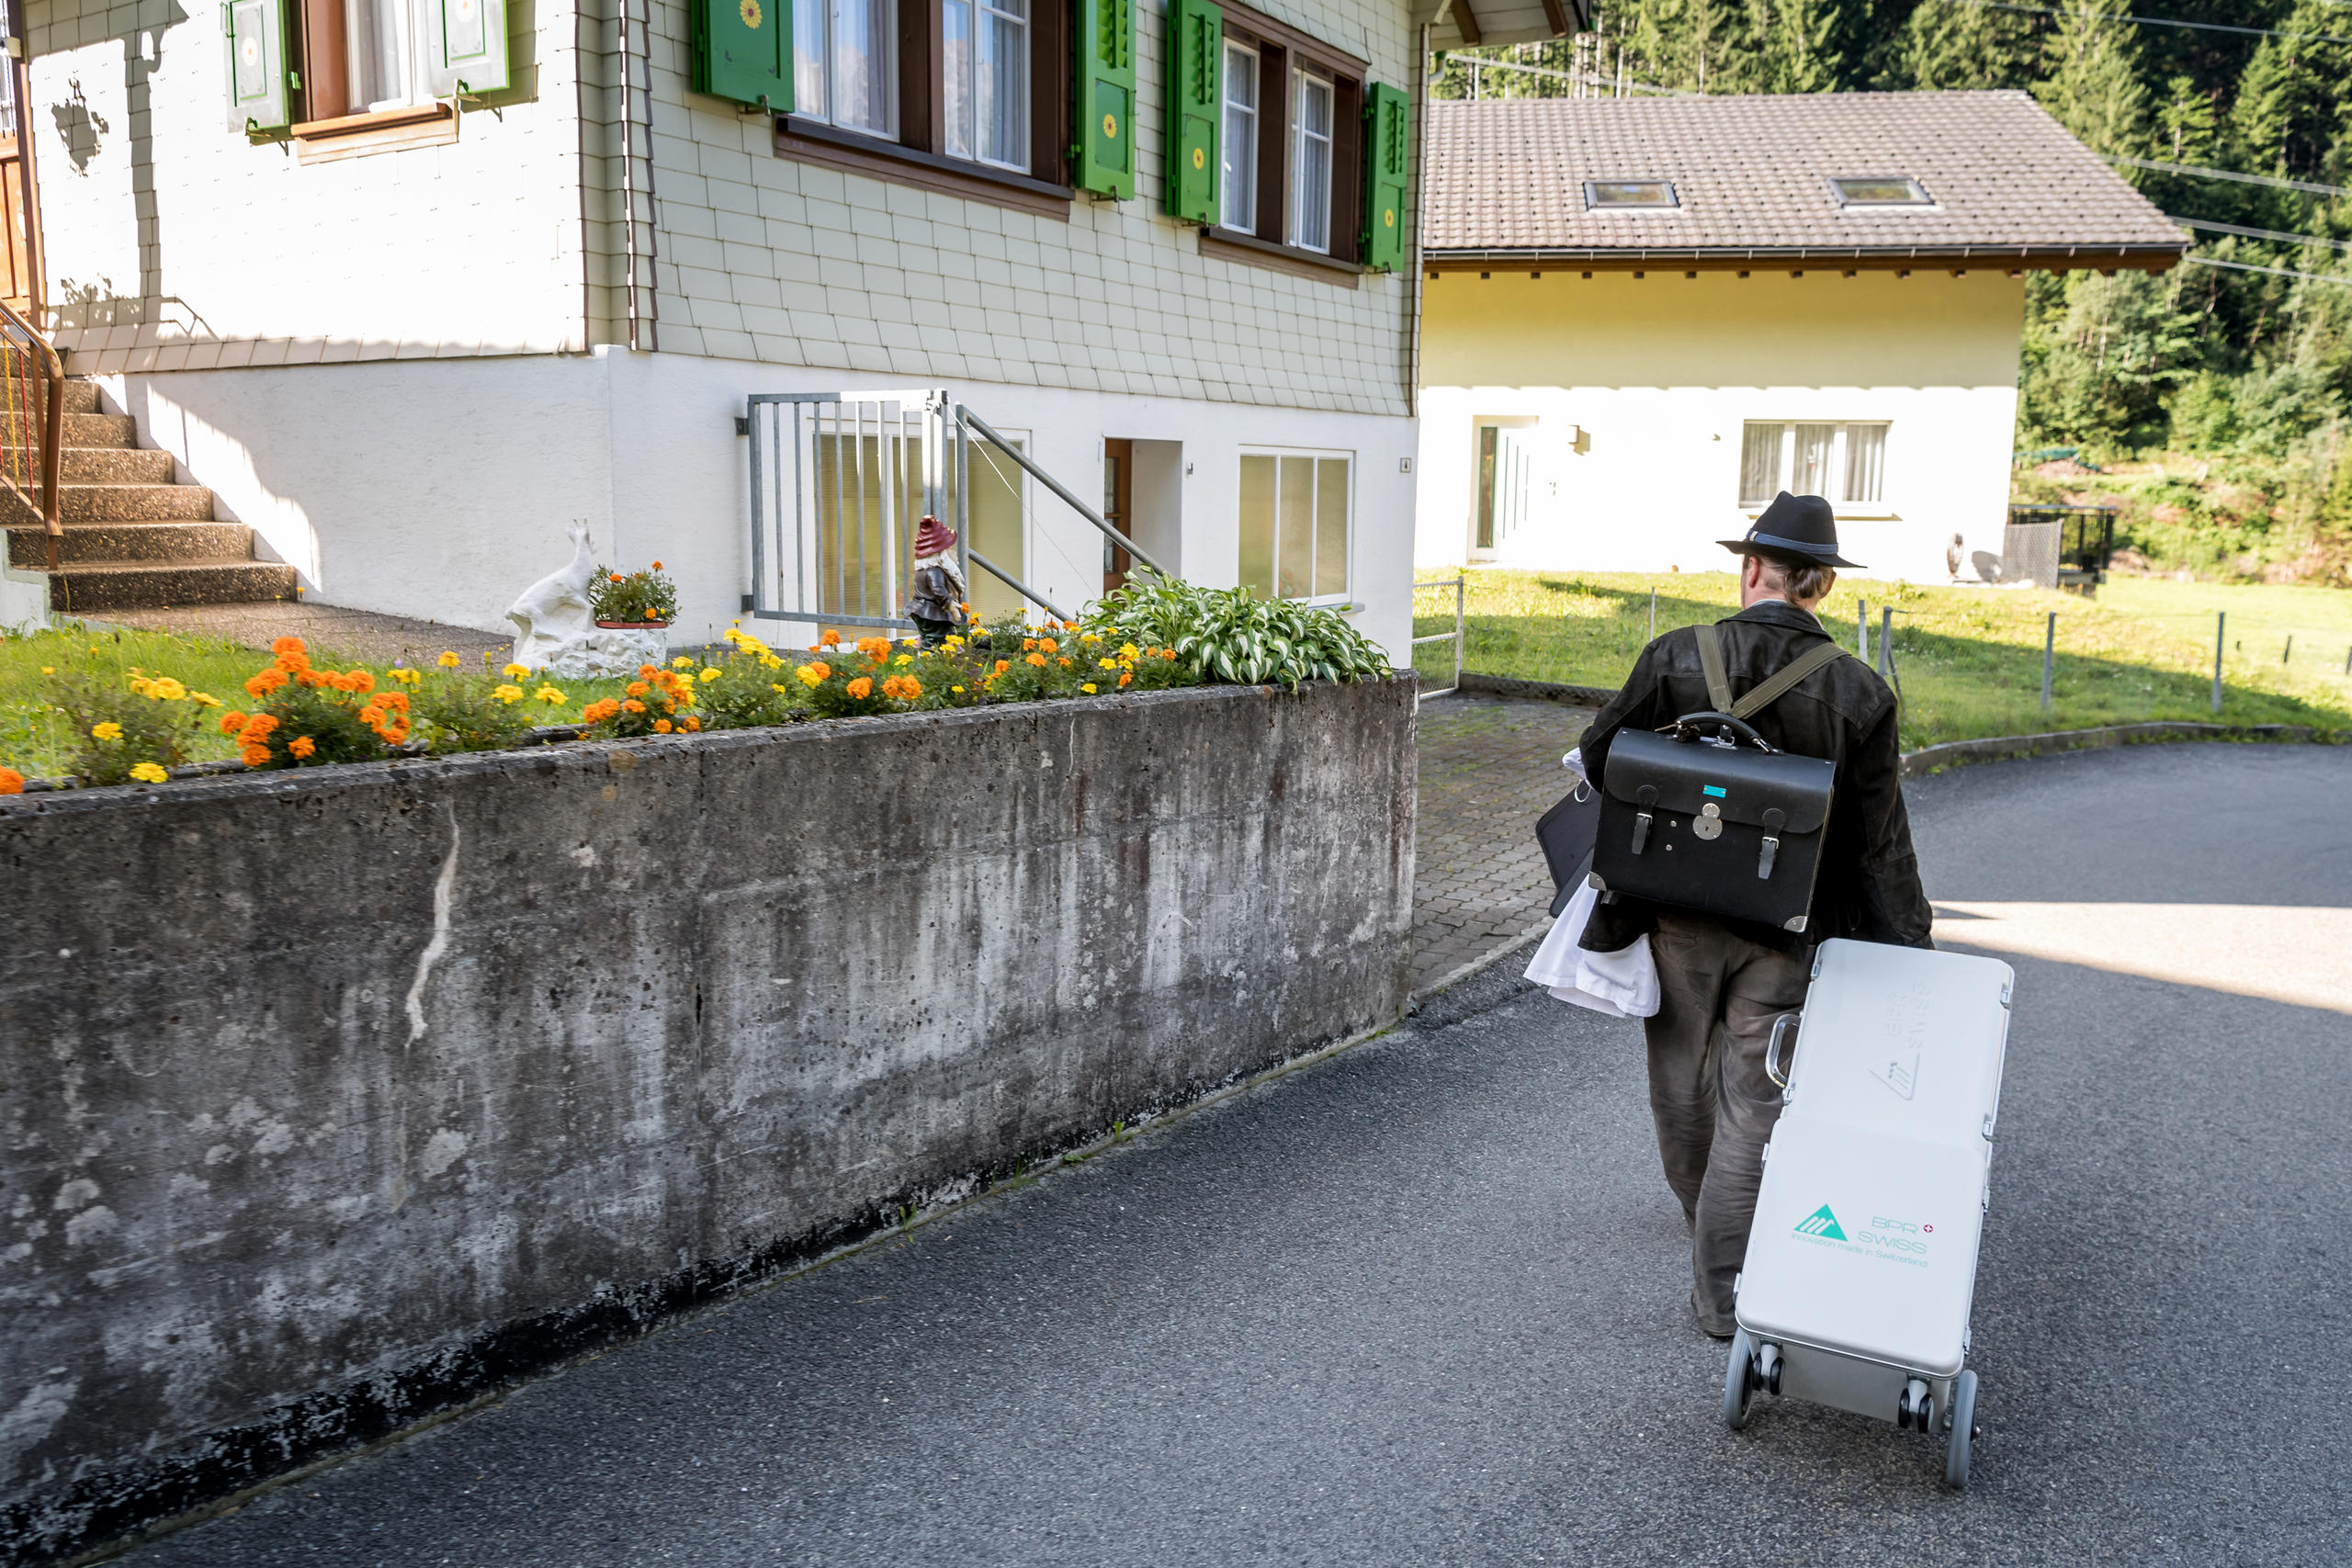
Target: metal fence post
{"points": [[1461, 597], [2049, 653], [2221, 625], [1653, 614], [1862, 630], [2289, 656]]}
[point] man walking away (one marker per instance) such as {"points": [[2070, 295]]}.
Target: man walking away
{"points": [[1722, 982]]}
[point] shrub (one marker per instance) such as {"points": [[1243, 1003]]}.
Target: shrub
{"points": [[1229, 634], [646, 596], [138, 732], [659, 702], [749, 688], [309, 717], [468, 713]]}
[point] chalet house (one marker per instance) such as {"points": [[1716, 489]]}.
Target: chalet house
{"points": [[1644, 318], [375, 299]]}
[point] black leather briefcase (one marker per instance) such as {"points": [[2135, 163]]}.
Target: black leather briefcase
{"points": [[1567, 833], [1708, 816]]}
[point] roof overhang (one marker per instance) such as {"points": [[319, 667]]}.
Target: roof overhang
{"points": [[2013, 258], [1454, 23]]}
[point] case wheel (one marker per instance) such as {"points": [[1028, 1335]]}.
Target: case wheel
{"points": [[1963, 1420], [1739, 1381]]}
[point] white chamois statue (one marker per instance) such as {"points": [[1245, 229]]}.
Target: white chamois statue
{"points": [[552, 614]]}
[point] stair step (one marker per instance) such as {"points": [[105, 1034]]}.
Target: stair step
{"points": [[115, 544], [81, 397], [102, 465], [91, 590], [101, 429], [115, 504]]}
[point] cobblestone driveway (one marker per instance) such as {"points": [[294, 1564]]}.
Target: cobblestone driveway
{"points": [[1489, 767]]}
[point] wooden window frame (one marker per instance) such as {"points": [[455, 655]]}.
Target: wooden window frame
{"points": [[919, 156], [1282, 50]]}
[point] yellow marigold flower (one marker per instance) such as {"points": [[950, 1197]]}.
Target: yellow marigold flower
{"points": [[1129, 650], [49, 668], [813, 674], [516, 672], [683, 662], [957, 690], [910, 642], [712, 672], [510, 695], [1091, 637], [109, 730], [903, 660], [1088, 688], [550, 696], [148, 772], [1106, 664], [405, 677], [769, 661], [952, 640], [204, 699], [448, 661], [780, 690], [141, 687], [167, 690]]}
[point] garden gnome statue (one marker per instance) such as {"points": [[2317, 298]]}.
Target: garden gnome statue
{"points": [[935, 592]]}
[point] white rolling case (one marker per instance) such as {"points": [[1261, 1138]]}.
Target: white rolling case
{"points": [[1862, 1259]]}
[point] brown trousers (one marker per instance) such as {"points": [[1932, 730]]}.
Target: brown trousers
{"points": [[1714, 1105]]}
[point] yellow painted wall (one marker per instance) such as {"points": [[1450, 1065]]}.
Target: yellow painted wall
{"points": [[1634, 392]]}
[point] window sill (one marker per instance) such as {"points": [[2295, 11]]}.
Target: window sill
{"points": [[1251, 251], [1862, 512], [386, 130], [809, 143]]}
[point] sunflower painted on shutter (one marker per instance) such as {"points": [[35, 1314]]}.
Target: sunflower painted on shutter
{"points": [[1195, 47], [1107, 97], [465, 46], [1388, 176], [743, 51], [259, 75]]}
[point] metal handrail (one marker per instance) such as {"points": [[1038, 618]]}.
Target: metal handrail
{"points": [[32, 420], [966, 417], [1460, 586]]}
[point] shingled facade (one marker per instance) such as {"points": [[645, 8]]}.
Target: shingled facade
{"points": [[1643, 317]]}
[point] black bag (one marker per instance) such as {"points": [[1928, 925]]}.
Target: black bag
{"points": [[1707, 815], [1566, 834]]}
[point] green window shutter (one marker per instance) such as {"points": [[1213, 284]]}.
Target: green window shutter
{"points": [[465, 45], [1388, 176], [1195, 53], [259, 73], [1106, 96], [743, 51]]}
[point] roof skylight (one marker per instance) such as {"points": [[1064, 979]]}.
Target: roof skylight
{"points": [[1879, 190], [1629, 196]]}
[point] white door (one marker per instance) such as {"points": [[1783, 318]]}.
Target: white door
{"points": [[1505, 480]]}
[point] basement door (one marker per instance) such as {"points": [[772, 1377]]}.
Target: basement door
{"points": [[18, 256]]}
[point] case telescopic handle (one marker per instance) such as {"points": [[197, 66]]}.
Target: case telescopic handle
{"points": [[1773, 1050], [1687, 726]]}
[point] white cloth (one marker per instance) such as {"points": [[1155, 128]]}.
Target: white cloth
{"points": [[1623, 983]]}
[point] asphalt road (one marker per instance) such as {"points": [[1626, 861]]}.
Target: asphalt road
{"points": [[1424, 1302]]}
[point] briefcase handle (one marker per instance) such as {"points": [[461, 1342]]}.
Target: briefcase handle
{"points": [[1687, 728]]}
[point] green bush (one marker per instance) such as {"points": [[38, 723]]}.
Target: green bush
{"points": [[1230, 635]]}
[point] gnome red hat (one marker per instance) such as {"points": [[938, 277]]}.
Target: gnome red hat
{"points": [[932, 537]]}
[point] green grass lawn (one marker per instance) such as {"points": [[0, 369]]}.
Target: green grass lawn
{"points": [[32, 734], [1969, 658]]}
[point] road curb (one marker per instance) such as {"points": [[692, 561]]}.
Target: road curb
{"points": [[1934, 759], [1542, 691]]}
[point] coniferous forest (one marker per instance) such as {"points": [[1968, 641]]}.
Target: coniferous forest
{"points": [[2213, 404]]}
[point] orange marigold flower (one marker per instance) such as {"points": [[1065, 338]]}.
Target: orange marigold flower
{"points": [[266, 683], [660, 726], [1037, 659], [1028, 645], [11, 781], [618, 578], [861, 689], [1069, 625], [637, 688], [301, 745], [657, 566], [829, 637], [286, 645], [231, 722], [362, 681], [255, 756], [292, 663], [647, 671], [371, 715], [651, 613], [1126, 676], [1049, 645], [1063, 662], [691, 723], [632, 705], [396, 701], [1002, 665]]}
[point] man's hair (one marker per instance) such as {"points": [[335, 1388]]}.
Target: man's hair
{"points": [[1797, 579]]}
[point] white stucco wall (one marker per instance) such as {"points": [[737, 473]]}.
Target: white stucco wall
{"points": [[1659, 374], [446, 488]]}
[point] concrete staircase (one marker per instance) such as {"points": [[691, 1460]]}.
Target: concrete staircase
{"points": [[134, 539]]}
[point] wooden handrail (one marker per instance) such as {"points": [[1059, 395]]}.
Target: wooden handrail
{"points": [[21, 336]]}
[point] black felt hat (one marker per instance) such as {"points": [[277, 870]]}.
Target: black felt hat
{"points": [[1795, 528]]}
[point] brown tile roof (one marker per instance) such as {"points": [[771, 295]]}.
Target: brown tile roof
{"points": [[1751, 174]]}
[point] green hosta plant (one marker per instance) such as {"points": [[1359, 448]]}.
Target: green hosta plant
{"points": [[1229, 634]]}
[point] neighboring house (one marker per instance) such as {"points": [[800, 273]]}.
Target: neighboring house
{"points": [[404, 288], [1643, 318]]}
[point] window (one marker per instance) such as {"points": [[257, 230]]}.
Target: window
{"points": [[354, 68], [844, 63], [1310, 202], [1238, 193], [1295, 524], [1845, 464], [987, 80], [1879, 190], [378, 55], [1630, 196]]}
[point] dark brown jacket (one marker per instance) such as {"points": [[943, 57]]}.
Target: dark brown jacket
{"points": [[1868, 886]]}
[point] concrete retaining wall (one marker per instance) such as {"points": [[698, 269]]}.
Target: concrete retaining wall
{"points": [[329, 1099]]}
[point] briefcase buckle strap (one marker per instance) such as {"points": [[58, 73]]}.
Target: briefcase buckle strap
{"points": [[1691, 726]]}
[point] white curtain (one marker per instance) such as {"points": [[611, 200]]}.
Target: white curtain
{"points": [[1865, 462]]}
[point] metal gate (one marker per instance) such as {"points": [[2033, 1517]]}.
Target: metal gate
{"points": [[838, 482]]}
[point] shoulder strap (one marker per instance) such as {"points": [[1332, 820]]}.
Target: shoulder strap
{"points": [[1711, 660], [1769, 691]]}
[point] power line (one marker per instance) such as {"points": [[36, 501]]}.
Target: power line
{"points": [[2271, 180], [2150, 21], [2273, 271], [2245, 233]]}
